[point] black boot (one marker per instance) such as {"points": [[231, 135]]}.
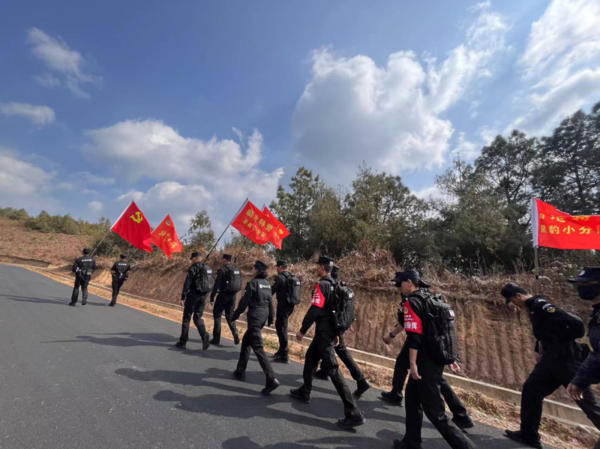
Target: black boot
{"points": [[180, 344], [402, 445], [239, 376], [112, 303], [236, 339], [83, 302], [361, 387], [351, 423], [464, 423], [518, 436], [392, 398], [300, 396], [281, 359], [206, 342], [270, 387]]}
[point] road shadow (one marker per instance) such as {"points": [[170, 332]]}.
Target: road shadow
{"points": [[48, 300], [321, 407]]}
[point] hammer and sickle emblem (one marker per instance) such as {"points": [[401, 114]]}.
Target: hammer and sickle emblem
{"points": [[168, 223], [137, 217]]}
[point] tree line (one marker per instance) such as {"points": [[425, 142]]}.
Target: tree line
{"points": [[478, 223]]}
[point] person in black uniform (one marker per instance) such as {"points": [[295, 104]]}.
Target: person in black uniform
{"points": [[225, 302], [284, 310], [555, 331], [460, 416], [588, 287], [83, 269], [362, 385], [120, 273], [321, 348], [423, 392], [259, 302], [193, 302]]}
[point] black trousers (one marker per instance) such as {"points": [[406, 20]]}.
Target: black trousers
{"points": [[547, 376], [116, 288], [346, 357], [401, 372], [284, 311], [253, 341], [225, 302], [322, 350], [425, 396], [83, 284], [193, 308]]}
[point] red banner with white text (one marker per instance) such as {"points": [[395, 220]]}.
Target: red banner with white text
{"points": [[555, 229]]}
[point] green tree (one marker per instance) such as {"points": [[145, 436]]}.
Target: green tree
{"points": [[567, 174], [200, 233], [294, 208]]}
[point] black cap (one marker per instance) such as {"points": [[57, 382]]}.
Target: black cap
{"points": [[196, 254], [410, 275], [86, 251], [510, 291], [123, 256], [324, 260], [282, 263], [335, 271], [227, 257], [261, 266], [588, 274]]}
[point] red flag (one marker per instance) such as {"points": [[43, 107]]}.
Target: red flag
{"points": [[133, 227], [166, 238], [280, 232], [555, 229], [255, 225]]}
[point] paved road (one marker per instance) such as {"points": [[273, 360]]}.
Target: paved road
{"points": [[97, 377]]}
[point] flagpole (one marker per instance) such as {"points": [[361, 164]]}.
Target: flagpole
{"points": [[110, 229], [232, 220], [241, 249]]}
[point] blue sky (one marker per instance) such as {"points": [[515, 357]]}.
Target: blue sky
{"points": [[190, 105]]}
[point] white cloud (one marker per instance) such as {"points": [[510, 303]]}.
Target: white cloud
{"points": [[429, 193], [191, 174], [95, 206], [488, 134], [80, 180], [39, 115], [390, 116], [23, 184], [561, 63], [465, 149], [61, 59]]}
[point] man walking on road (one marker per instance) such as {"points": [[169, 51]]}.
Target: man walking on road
{"points": [[362, 385], [259, 302], [561, 356], [197, 286], [285, 308], [322, 347], [227, 285], [120, 273], [83, 269]]}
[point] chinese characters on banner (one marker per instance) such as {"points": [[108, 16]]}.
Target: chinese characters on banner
{"points": [[555, 229], [255, 225], [280, 232], [133, 227], [166, 238]]}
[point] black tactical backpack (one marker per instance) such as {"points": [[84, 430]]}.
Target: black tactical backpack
{"points": [[293, 292], [440, 330], [343, 306], [233, 280], [204, 278]]}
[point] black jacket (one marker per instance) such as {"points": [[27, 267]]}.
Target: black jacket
{"points": [[258, 300], [220, 282], [279, 287], [84, 266], [120, 268], [189, 285], [555, 329], [320, 311], [589, 372]]}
